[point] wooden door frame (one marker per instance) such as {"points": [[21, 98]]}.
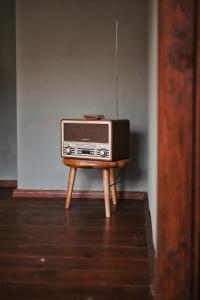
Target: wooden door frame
{"points": [[177, 273], [196, 202]]}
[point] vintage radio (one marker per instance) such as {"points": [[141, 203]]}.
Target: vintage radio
{"points": [[95, 139]]}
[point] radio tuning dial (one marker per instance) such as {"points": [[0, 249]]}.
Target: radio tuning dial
{"points": [[69, 150], [103, 152]]}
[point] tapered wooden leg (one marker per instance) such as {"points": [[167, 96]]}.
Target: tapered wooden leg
{"points": [[113, 186], [106, 184], [71, 178]]}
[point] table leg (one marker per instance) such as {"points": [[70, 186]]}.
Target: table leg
{"points": [[71, 178], [106, 184], [113, 186]]}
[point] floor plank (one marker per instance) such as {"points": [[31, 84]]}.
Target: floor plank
{"points": [[49, 253], [40, 292]]}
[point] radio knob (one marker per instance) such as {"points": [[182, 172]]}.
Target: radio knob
{"points": [[68, 150], [103, 152]]}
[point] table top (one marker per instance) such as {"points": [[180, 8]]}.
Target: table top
{"points": [[88, 163]]}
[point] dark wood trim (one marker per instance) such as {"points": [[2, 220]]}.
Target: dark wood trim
{"points": [[8, 183], [22, 193], [196, 206], [150, 244], [175, 148]]}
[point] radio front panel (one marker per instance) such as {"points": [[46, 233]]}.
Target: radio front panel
{"points": [[96, 151], [86, 139]]}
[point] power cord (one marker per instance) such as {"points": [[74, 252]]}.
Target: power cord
{"points": [[121, 174]]}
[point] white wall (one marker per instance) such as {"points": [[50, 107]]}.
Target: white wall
{"points": [[152, 111], [8, 131], [66, 68]]}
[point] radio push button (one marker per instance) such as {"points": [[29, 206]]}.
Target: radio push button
{"points": [[103, 152], [68, 150]]}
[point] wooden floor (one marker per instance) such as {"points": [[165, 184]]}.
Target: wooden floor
{"points": [[49, 253]]}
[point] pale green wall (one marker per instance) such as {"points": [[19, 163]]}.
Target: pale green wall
{"points": [[66, 68], [8, 131], [152, 111]]}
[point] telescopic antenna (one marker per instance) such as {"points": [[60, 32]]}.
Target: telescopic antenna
{"points": [[116, 67]]}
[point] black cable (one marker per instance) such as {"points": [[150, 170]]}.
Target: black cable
{"points": [[120, 173]]}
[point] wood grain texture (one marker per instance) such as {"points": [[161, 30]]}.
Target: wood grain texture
{"points": [[106, 184], [71, 179], [175, 151], [96, 164], [40, 292], [77, 194], [196, 204], [47, 252], [8, 183]]}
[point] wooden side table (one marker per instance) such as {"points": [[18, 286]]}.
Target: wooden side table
{"points": [[108, 177]]}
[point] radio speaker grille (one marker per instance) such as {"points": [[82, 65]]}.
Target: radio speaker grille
{"points": [[96, 133]]}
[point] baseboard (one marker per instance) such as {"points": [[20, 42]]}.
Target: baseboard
{"points": [[8, 183], [150, 245], [25, 193]]}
